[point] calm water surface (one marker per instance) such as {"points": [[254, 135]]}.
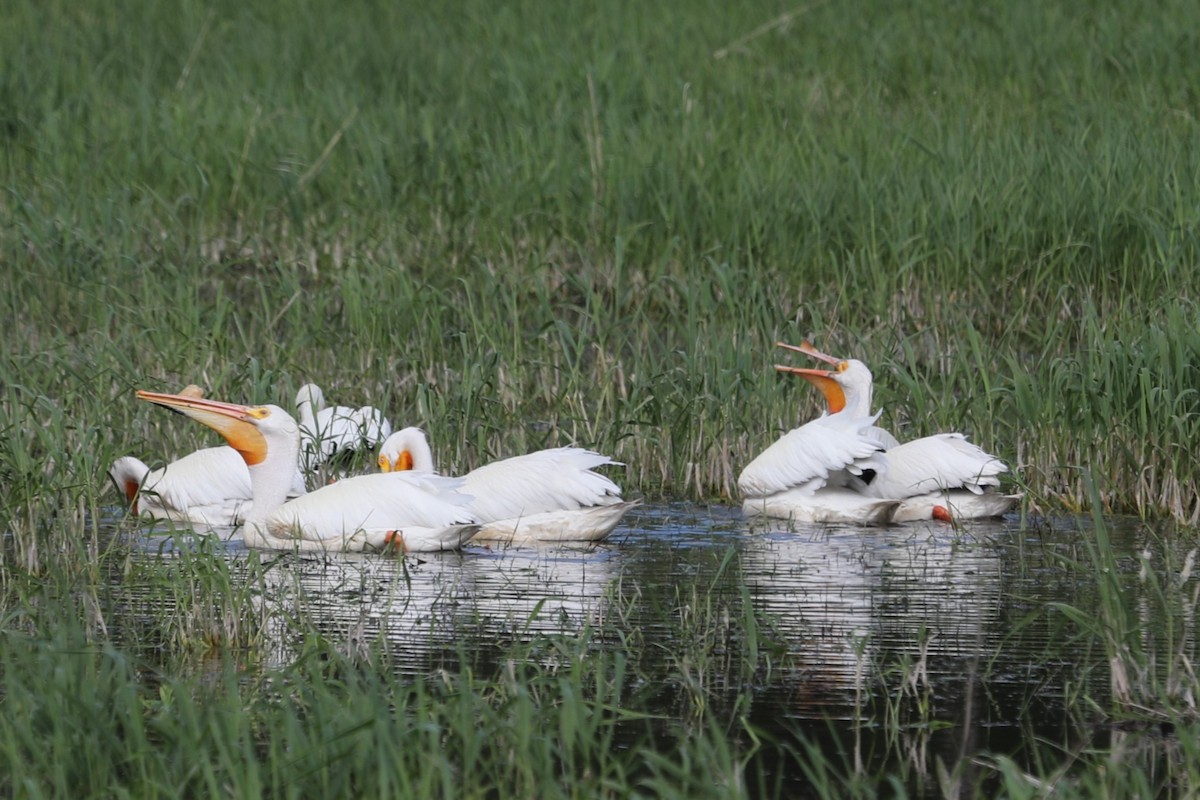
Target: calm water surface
{"points": [[948, 636]]}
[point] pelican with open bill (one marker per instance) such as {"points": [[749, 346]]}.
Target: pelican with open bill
{"points": [[942, 476]]}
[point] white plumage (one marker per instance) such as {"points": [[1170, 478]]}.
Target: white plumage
{"points": [[326, 431], [209, 487], [933, 463], [942, 476], [549, 495], [804, 475], [418, 512], [421, 512]]}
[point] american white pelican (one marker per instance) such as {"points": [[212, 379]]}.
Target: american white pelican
{"points": [[208, 487], [326, 431], [415, 511], [805, 475], [942, 476], [547, 496]]}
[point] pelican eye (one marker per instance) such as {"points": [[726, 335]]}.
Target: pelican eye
{"points": [[843, 366], [383, 463], [259, 413]]}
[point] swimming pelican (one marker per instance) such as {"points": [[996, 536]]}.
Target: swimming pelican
{"points": [[942, 476], [327, 431], [208, 487], [547, 496], [805, 475], [415, 511]]}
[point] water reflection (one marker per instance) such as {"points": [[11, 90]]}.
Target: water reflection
{"points": [[425, 610], [918, 642], [844, 602], [421, 610], [852, 600]]}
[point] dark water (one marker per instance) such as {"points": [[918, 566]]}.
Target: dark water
{"points": [[891, 649]]}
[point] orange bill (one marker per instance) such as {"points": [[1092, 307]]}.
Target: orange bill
{"points": [[808, 350], [403, 462], [835, 398], [237, 423]]}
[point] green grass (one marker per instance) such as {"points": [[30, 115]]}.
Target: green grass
{"points": [[518, 229], [528, 225]]}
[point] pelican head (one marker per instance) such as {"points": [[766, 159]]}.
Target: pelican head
{"points": [[406, 449], [847, 385], [248, 429]]}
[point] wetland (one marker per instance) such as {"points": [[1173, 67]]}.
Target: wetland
{"points": [[519, 228]]}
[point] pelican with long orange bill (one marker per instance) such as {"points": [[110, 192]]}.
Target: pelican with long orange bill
{"points": [[208, 487], [411, 510], [942, 476], [808, 474]]}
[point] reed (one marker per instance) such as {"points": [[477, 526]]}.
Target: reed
{"points": [[519, 228], [543, 235]]}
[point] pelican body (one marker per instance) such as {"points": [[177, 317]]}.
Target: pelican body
{"points": [[208, 487], [806, 475], [941, 476], [414, 511], [547, 496]]}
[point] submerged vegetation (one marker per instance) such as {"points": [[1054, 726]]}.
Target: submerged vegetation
{"points": [[520, 226]]}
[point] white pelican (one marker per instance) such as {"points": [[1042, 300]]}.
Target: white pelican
{"points": [[415, 511], [547, 496], [327, 431], [208, 487], [942, 476], [805, 476]]}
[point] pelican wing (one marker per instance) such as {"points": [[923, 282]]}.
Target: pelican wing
{"points": [[936, 463], [373, 426], [806, 457], [559, 479], [341, 428], [211, 485]]}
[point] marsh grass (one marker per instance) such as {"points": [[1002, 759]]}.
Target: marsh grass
{"points": [[1129, 706], [537, 232], [1145, 622], [571, 726], [519, 228], [207, 673]]}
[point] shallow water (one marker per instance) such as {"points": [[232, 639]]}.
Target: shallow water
{"points": [[891, 648]]}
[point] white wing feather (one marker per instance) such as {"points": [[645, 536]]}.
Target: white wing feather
{"points": [[340, 428], [559, 479], [211, 485], [936, 463], [212, 478], [810, 456]]}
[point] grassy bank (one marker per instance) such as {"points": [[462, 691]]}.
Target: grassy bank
{"points": [[518, 229]]}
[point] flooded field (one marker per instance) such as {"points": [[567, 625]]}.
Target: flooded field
{"points": [[918, 651]]}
